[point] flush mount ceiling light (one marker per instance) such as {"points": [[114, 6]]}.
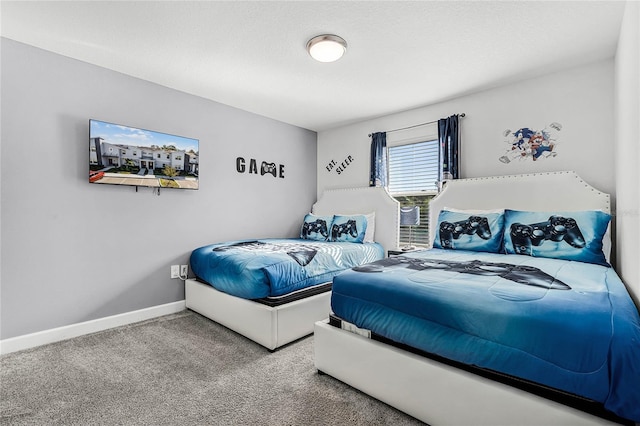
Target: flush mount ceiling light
{"points": [[326, 48]]}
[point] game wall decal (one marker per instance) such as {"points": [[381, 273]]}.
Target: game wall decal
{"points": [[265, 167], [529, 144]]}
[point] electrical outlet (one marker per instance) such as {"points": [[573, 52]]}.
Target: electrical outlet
{"points": [[184, 271], [175, 271]]}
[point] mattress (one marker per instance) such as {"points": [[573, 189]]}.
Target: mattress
{"points": [[295, 295], [567, 325], [257, 269]]}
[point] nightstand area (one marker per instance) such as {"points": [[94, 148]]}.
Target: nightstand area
{"points": [[398, 251]]}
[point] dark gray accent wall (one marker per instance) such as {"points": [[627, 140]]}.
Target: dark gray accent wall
{"points": [[72, 251]]}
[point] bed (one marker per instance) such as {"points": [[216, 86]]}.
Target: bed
{"points": [[461, 336], [276, 313]]}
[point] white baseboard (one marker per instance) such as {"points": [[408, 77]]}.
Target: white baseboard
{"points": [[74, 330]]}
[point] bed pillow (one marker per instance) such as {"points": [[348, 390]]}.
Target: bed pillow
{"points": [[476, 230], [573, 235], [316, 227], [369, 235], [348, 228]]}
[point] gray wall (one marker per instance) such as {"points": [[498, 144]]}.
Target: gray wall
{"points": [[627, 148], [581, 99], [72, 251], [597, 104]]}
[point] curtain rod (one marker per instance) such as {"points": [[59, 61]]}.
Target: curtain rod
{"points": [[415, 125]]}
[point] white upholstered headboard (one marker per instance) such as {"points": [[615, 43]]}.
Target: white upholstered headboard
{"points": [[362, 201], [551, 191]]}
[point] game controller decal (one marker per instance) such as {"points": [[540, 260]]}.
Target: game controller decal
{"points": [[303, 254], [268, 168], [520, 274]]}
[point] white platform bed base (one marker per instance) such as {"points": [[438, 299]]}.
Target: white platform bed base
{"points": [[273, 327], [269, 326], [431, 391], [437, 393]]}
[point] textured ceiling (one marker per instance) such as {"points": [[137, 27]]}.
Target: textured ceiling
{"points": [[251, 55]]}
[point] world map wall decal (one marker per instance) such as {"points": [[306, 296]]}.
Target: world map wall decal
{"points": [[529, 144]]}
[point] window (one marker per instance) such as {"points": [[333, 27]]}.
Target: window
{"points": [[414, 169]]}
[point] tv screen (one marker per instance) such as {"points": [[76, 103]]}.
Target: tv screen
{"points": [[123, 155]]}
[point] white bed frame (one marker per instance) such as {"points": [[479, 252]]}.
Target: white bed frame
{"points": [[273, 327], [552, 191], [438, 393]]}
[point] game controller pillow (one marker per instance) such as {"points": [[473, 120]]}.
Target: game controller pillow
{"points": [[348, 228], [470, 230], [573, 235], [371, 225], [316, 227]]}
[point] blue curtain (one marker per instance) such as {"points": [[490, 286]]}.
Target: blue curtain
{"points": [[378, 174], [449, 147]]}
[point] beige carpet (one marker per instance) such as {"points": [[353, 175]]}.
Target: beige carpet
{"points": [[180, 369]]}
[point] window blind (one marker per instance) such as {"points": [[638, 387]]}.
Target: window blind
{"points": [[414, 168], [413, 174]]}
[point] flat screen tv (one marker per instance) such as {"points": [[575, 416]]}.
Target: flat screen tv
{"points": [[124, 155]]}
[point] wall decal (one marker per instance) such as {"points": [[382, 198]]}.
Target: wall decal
{"points": [[339, 168], [265, 168], [529, 144]]}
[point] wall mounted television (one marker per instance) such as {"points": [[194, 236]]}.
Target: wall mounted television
{"points": [[124, 155]]}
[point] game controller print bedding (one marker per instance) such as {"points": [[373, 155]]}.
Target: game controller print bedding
{"points": [[273, 291], [516, 317], [575, 235], [273, 267], [567, 325]]}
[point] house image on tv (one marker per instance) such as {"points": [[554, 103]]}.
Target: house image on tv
{"points": [[104, 156]]}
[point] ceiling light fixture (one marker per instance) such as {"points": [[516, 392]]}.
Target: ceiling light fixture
{"points": [[326, 47]]}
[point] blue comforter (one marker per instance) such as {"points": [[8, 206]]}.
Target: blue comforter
{"points": [[568, 325], [273, 267]]}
